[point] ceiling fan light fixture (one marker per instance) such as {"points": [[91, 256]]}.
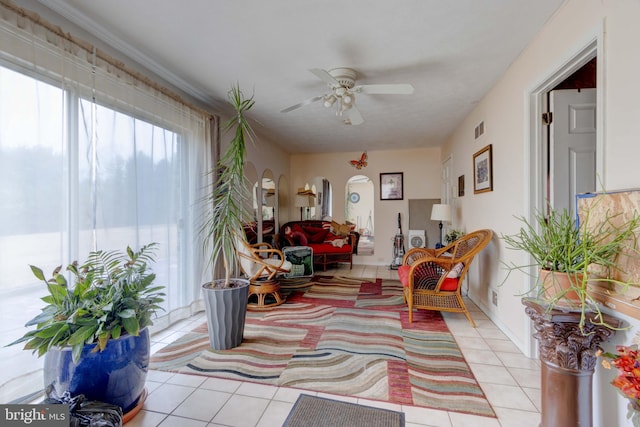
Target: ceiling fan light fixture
{"points": [[329, 100], [343, 107], [341, 82]]}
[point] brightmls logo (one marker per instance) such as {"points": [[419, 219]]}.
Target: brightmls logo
{"points": [[34, 415]]}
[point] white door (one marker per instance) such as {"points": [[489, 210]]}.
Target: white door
{"points": [[573, 146], [446, 181]]}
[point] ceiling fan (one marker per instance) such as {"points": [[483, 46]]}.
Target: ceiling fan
{"points": [[342, 82]]}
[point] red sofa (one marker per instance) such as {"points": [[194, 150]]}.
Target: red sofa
{"points": [[329, 246]]}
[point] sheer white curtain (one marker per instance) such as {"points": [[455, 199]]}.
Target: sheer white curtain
{"points": [[92, 155]]}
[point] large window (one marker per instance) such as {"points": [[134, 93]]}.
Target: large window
{"points": [[76, 176], [91, 157]]}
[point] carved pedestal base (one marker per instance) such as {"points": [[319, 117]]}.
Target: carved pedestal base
{"points": [[566, 397], [568, 357]]}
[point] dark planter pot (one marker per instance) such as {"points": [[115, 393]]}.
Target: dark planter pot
{"points": [[226, 312], [115, 375]]}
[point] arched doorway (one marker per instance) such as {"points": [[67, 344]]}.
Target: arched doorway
{"points": [[360, 196]]}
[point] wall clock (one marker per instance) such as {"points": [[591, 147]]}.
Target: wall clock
{"points": [[354, 197]]}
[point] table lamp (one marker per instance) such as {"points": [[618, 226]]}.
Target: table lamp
{"points": [[441, 212], [304, 201]]}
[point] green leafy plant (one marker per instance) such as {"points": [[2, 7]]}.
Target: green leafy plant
{"points": [[113, 294], [453, 235], [228, 199], [557, 243]]}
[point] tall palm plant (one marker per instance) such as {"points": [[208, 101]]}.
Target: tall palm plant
{"points": [[230, 195]]}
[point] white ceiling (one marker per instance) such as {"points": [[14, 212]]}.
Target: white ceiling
{"points": [[451, 51]]}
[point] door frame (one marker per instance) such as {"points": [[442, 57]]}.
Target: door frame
{"points": [[536, 142]]}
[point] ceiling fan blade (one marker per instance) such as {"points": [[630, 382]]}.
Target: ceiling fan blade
{"points": [[302, 104], [391, 89], [355, 118], [325, 77]]}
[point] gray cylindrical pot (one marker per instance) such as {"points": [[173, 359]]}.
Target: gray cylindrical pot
{"points": [[226, 310]]}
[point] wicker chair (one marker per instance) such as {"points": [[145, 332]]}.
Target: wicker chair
{"points": [[261, 263], [261, 260], [432, 278]]}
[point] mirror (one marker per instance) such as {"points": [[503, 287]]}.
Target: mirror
{"points": [[322, 209], [251, 174], [282, 214], [251, 224], [360, 195], [268, 196], [268, 206]]}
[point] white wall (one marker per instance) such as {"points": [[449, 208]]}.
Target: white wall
{"points": [[421, 168], [614, 25]]}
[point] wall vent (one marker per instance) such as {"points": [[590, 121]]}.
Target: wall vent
{"points": [[479, 129]]}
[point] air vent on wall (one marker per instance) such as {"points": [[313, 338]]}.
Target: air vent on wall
{"points": [[479, 130]]}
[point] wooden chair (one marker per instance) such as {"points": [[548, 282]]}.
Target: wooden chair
{"points": [[432, 278]]}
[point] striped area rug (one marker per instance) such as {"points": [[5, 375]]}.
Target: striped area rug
{"points": [[343, 336]]}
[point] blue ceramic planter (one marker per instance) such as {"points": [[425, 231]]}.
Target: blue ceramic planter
{"points": [[115, 375]]}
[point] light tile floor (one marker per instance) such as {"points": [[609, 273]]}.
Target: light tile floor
{"points": [[510, 381]]}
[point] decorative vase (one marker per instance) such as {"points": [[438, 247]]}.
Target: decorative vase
{"points": [[226, 310], [568, 356], [634, 412], [115, 375]]}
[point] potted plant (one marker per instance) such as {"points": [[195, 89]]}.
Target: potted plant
{"points": [[569, 325], [568, 255], [94, 334], [226, 298], [453, 235]]}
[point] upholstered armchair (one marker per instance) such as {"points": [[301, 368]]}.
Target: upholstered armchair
{"points": [[432, 278]]}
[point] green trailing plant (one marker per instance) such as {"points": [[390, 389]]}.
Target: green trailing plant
{"points": [[557, 243], [229, 197], [453, 235], [112, 295]]}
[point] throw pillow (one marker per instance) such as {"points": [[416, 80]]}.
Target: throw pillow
{"points": [[455, 271], [299, 238], [315, 234], [296, 227], [338, 243], [296, 271], [330, 236], [340, 229]]}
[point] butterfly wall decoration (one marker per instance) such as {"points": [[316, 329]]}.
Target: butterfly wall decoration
{"points": [[359, 164]]}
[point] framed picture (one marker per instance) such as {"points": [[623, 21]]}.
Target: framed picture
{"points": [[483, 170], [391, 186], [461, 186]]}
